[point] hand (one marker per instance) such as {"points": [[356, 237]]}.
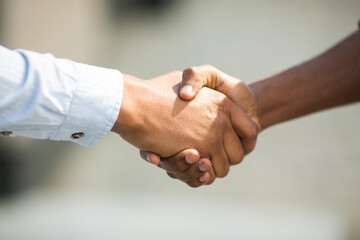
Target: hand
{"points": [[193, 79], [186, 166], [158, 120]]}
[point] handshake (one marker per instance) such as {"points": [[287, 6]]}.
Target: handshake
{"points": [[194, 124]]}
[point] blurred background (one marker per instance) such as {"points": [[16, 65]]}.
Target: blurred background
{"points": [[301, 182]]}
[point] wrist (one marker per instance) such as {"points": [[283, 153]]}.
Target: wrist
{"points": [[277, 98], [129, 117], [141, 112], [262, 94]]}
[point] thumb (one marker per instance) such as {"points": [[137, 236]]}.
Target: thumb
{"points": [[194, 78], [191, 83]]}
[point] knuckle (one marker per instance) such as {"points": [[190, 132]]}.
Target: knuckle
{"points": [[223, 102], [223, 120], [251, 147], [224, 171], [238, 160], [190, 71], [192, 74], [211, 181], [253, 131], [221, 123], [252, 135]]}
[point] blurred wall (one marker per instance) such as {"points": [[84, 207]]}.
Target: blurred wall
{"points": [[301, 181]]}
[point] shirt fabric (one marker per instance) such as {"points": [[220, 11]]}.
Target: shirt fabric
{"points": [[45, 97]]}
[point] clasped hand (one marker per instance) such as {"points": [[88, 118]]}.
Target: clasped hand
{"points": [[193, 133]]}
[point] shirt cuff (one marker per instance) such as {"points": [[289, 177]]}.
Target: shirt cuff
{"points": [[95, 105]]}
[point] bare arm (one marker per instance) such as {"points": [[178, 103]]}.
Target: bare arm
{"points": [[329, 80]]}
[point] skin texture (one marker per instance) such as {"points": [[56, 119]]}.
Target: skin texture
{"points": [[237, 91], [329, 80], [160, 121]]}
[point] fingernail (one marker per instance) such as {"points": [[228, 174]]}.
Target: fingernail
{"points": [[190, 159], [187, 89], [202, 178], [145, 156], [203, 167]]}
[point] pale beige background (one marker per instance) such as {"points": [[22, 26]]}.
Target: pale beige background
{"points": [[301, 182]]}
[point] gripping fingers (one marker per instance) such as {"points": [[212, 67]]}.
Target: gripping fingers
{"points": [[177, 163], [211, 177], [246, 129], [197, 175], [233, 147], [194, 172], [220, 163], [181, 161], [206, 179]]}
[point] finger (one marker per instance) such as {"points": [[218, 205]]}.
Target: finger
{"points": [[246, 129], [181, 161], [205, 179], [150, 157], [212, 177], [197, 182], [194, 78], [209, 176], [233, 147], [220, 163], [191, 84], [196, 171]]}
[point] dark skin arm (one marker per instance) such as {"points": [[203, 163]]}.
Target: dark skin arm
{"points": [[329, 80]]}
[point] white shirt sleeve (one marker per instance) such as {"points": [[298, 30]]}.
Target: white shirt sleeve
{"points": [[45, 97]]}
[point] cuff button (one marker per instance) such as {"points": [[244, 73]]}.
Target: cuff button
{"points": [[6, 133], [77, 135]]}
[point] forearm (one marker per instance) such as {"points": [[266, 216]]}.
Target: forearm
{"points": [[330, 80]]}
